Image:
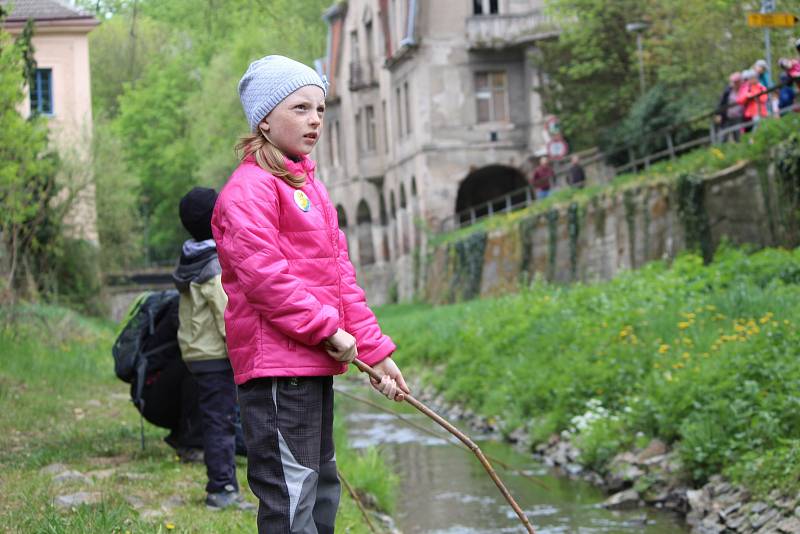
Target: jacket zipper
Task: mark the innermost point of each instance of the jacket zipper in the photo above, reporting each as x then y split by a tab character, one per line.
335	245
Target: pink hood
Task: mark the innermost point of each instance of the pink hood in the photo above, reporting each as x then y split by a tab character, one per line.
288	277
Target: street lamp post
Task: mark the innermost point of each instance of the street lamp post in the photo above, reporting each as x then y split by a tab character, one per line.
638	28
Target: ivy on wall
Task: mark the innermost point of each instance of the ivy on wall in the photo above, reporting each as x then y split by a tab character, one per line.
693	215
527	232
467	258
788	173
599	216
762	168
573	229
646	225
630	218
552	243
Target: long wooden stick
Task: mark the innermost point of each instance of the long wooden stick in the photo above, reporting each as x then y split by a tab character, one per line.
364	368
430	432
356	498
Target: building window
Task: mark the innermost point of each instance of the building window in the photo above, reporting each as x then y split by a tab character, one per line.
337	149
370	64
369	119
485	7
330	146
42	92
385	118
399	114
355	53
359	132
491	94
408	108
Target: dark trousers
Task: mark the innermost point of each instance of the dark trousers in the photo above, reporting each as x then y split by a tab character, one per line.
216	396
291	468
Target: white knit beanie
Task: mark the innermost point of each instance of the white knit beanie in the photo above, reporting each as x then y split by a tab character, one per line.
271	79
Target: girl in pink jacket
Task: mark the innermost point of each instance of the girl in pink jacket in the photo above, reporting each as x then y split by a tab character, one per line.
295	314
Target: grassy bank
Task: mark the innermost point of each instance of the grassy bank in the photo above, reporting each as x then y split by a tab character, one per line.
706	358
62	404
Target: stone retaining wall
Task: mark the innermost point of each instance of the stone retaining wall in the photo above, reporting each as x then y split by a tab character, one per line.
613	232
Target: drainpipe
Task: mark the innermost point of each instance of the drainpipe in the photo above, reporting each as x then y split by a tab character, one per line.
409	40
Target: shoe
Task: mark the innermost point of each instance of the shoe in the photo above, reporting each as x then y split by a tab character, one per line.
190	455
228	498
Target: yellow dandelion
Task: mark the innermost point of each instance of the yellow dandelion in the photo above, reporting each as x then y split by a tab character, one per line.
686	355
683	325
170	526
717	153
739	328
663	348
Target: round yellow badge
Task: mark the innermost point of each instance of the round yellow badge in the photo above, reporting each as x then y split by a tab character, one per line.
302	200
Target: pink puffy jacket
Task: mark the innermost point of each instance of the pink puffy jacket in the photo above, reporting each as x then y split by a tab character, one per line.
288	277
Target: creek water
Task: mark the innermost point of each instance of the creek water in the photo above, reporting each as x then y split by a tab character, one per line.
446	491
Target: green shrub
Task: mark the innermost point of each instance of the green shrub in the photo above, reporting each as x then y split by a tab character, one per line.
78	282
762	471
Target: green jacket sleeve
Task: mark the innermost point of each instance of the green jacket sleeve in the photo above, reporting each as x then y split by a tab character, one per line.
217	300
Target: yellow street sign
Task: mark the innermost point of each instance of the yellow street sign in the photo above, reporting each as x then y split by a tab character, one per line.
771	20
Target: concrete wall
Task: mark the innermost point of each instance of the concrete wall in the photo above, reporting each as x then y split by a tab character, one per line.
614	233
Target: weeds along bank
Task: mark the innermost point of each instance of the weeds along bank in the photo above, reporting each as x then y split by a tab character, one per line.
744	192
706	358
67	429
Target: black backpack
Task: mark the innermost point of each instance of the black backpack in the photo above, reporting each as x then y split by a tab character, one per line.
148	338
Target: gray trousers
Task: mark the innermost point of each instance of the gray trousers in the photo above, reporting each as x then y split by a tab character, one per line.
291	465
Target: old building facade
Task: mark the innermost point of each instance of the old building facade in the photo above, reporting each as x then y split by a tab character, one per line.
432	108
61	93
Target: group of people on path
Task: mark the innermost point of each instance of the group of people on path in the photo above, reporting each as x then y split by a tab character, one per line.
270	310
746	100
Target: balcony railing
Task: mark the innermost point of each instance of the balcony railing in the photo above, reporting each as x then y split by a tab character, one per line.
504	31
362	74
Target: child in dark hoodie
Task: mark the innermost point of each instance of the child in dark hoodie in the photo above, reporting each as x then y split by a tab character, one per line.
201	336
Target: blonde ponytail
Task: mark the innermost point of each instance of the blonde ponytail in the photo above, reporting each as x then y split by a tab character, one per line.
268	156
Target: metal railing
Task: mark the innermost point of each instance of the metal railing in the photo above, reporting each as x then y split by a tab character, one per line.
523	197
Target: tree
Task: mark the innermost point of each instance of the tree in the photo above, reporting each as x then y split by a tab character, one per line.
121	48
591	67
27	171
153	126
690	48
174	108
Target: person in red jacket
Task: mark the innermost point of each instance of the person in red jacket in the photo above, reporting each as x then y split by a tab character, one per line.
753	98
295	315
542	178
